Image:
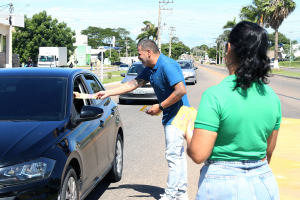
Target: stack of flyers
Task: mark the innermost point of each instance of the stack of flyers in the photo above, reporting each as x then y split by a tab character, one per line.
86	96
184	115
146	108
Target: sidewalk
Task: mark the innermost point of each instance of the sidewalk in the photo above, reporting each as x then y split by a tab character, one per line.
285	162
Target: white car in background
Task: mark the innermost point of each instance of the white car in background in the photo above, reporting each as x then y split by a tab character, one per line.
123	67
213	62
189	71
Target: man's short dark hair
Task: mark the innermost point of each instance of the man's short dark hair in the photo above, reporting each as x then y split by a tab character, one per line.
148	44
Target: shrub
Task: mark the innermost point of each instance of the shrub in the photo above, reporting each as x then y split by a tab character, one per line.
109	75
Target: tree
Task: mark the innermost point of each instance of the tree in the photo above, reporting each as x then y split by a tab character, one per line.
211	53
149	31
278	11
230	24
114	55
269	12
41	31
177	48
281	39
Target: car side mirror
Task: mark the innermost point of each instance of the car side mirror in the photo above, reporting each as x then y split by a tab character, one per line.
196	67
122	74
89	113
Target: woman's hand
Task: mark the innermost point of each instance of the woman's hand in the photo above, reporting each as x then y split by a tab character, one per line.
189	130
76	94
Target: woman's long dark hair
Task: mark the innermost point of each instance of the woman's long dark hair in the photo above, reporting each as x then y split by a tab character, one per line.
250	45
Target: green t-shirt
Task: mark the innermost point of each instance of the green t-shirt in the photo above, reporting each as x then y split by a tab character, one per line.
243	119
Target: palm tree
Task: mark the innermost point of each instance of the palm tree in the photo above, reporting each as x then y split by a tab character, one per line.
230	24
256	12
278	11
149	31
269	13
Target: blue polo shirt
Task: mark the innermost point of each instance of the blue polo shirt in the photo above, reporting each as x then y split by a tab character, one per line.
162	77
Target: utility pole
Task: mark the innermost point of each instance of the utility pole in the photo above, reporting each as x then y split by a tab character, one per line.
170	42
110	50
290	47
159	21
126	49
9	57
217	50
220	40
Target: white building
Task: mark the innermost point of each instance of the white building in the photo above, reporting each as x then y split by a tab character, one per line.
296	49
6	37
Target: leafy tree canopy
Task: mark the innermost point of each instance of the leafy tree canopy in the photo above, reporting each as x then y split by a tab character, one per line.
114	55
177	48
281	39
41	31
148	31
211	53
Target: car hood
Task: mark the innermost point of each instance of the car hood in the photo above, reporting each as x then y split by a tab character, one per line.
128	78
186	71
23	141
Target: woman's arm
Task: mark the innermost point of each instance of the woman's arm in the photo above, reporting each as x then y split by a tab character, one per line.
272	139
200	143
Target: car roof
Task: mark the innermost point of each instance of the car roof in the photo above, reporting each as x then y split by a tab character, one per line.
40	72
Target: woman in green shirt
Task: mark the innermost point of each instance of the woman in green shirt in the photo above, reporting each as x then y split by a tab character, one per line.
237	124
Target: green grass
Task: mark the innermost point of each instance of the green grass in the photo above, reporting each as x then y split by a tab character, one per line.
116	72
295	64
286	73
113	79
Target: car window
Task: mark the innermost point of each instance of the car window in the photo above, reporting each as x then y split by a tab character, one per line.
94	85
122	65
184	65
81	88
135	69
36	99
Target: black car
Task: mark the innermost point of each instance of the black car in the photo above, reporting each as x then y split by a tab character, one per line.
52	145
117	63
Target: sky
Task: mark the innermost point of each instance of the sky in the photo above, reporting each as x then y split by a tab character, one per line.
196	22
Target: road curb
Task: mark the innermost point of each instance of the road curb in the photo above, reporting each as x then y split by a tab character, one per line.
286	76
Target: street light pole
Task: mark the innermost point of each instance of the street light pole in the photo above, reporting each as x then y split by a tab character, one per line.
290	47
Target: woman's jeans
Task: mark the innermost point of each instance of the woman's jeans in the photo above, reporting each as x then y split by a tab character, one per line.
177	178
237	180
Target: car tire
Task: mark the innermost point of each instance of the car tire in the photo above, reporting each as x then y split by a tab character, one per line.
70	188
122	101
115	174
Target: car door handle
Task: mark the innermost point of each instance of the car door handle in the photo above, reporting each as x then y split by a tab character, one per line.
113	111
101	123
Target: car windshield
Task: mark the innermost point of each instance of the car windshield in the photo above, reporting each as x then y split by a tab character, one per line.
184	65
122	65
46	58
32	99
135	69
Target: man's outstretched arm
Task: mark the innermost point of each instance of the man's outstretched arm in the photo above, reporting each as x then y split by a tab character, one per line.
122	89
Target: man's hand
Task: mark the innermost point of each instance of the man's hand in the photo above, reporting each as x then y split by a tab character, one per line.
101	95
154	110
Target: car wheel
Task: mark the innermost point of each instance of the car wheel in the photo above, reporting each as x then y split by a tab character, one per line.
115	173
70	189
122	101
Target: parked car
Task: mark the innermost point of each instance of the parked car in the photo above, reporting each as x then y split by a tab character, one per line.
52	145
189	71
117	63
145	92
123	67
213	62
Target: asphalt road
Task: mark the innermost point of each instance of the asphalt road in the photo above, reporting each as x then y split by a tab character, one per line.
145	168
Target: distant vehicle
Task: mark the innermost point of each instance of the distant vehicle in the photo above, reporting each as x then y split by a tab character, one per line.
188	70
52	57
145	92
213	62
55	146
123	67
117	63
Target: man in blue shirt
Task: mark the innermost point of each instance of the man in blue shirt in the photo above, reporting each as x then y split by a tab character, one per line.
166	78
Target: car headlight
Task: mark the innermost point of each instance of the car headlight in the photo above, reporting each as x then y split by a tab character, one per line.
28	171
